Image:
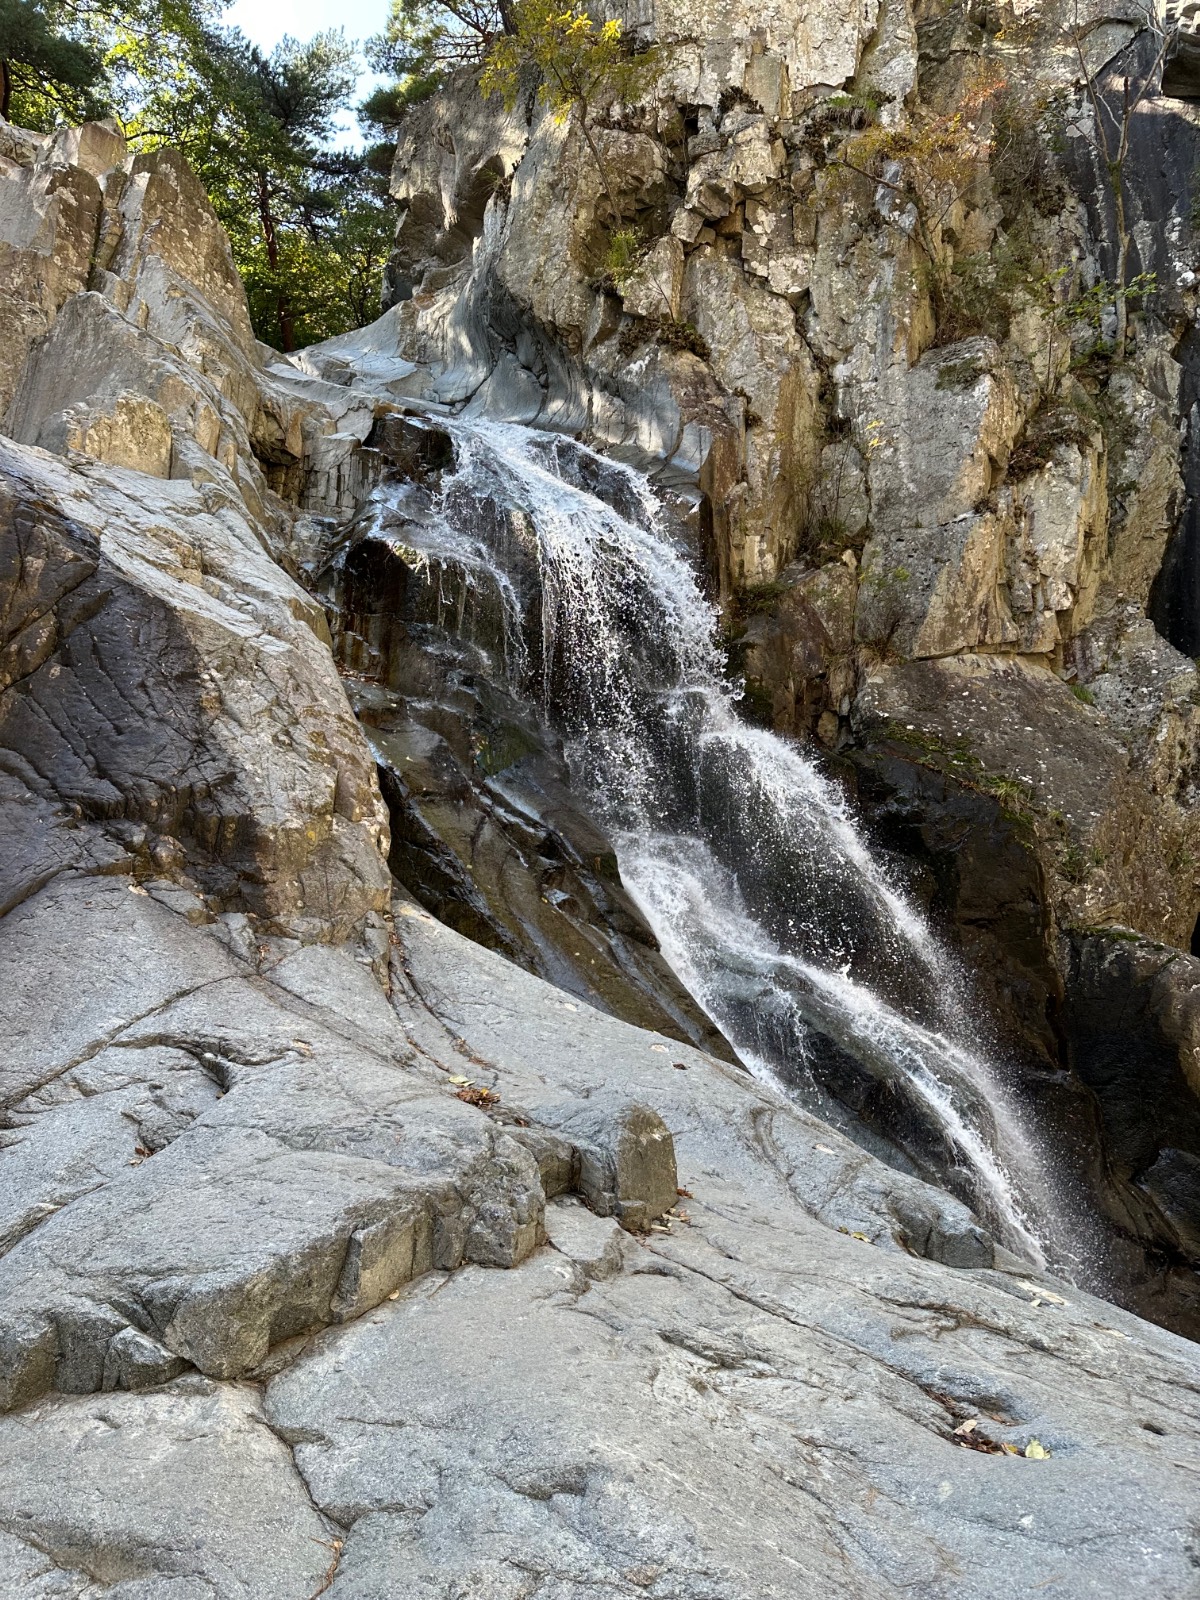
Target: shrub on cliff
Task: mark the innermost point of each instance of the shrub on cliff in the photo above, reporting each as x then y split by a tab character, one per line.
576	63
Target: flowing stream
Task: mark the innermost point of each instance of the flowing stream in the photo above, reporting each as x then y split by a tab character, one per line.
743	856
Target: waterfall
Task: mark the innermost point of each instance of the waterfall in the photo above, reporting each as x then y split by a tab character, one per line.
744	857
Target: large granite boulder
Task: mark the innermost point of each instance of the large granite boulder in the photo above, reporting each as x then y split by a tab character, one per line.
150	644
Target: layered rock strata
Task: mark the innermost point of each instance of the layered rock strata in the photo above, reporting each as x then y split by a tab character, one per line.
954	539
340	1255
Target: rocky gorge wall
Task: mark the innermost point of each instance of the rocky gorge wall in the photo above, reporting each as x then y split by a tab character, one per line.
942	534
337	1253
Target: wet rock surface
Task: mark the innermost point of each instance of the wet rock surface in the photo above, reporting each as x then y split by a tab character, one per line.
486	829
341	1253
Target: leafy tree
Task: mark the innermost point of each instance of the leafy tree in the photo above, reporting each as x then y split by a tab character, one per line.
309	225
255	128
44	72
66	60
577	65
1107	132
425	38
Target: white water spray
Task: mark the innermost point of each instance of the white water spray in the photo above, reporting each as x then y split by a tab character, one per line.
744	858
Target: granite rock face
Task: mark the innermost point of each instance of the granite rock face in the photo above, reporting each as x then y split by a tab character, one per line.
954	541
150	644
339	1254
761	1391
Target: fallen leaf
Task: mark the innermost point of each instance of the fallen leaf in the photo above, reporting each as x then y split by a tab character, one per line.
458	1078
968	1426
825	1149
861	1236
1035	1450
473	1095
685	1194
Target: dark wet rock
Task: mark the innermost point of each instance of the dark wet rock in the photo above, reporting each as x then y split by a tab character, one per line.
1132	1024
1024	851
485	827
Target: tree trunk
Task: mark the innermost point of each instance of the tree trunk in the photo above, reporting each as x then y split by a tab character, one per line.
508	20
5	88
591	144
287	323
1122	284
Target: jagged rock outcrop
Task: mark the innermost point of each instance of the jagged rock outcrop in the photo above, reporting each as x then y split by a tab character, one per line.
146	633
338	1253
941	542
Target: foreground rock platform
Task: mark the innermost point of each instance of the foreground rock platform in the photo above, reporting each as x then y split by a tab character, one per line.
758	1396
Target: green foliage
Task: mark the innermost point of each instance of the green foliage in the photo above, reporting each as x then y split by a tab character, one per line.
308	225
625	250
960	762
45	74
1075	863
1083	693
758	597
674	333
575	62
63	61
423	39
843	107
825	536
1092	305
325	284
382	112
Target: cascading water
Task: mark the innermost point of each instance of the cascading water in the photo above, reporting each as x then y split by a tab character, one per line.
741	854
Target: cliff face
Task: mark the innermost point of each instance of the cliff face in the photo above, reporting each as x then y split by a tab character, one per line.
952	548
270	1129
